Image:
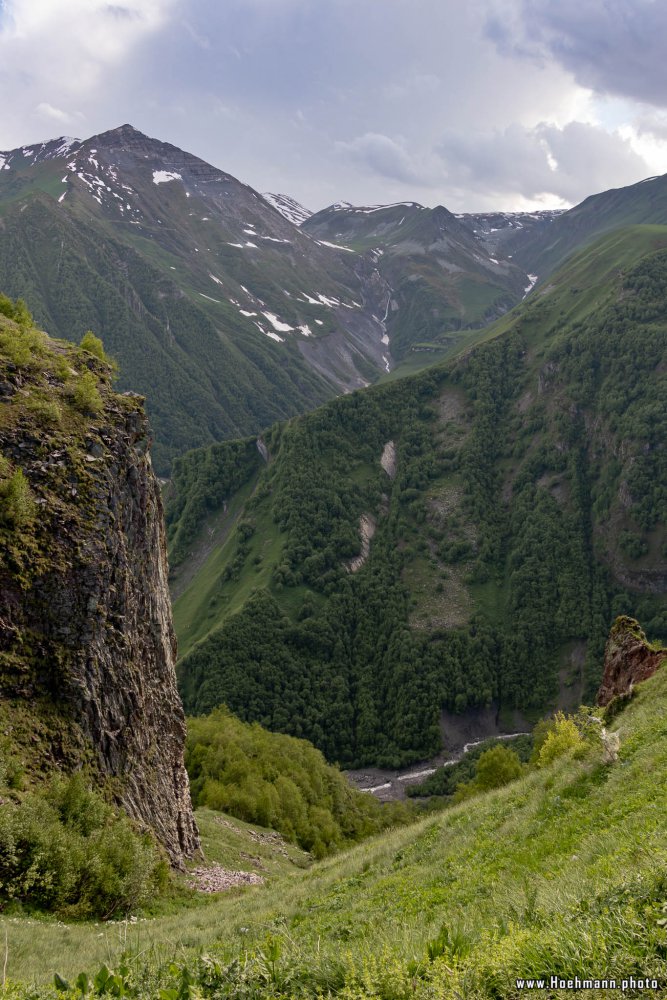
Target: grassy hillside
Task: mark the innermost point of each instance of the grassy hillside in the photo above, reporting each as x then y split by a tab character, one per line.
561	873
543	250
520	507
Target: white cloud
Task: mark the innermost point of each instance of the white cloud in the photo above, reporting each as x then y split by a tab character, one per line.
46	110
379	100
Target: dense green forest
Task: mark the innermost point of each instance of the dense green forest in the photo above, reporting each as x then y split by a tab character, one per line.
201	483
526	510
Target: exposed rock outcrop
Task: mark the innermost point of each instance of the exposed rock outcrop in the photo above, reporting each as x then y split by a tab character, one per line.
628	659
85	616
388	459
367	528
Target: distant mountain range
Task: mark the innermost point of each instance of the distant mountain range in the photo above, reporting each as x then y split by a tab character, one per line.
444	272
230	309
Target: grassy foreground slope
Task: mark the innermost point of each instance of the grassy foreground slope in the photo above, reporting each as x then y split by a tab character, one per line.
563	872
457	539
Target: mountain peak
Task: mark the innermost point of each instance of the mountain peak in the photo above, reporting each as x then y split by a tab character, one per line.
123	135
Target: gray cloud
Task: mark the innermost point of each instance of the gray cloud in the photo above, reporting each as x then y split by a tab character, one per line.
116	10
383	155
568	163
611	46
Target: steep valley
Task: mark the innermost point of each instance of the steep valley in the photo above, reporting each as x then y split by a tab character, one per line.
414	577
559	873
525	509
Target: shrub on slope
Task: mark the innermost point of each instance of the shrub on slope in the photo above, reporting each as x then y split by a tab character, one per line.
280	782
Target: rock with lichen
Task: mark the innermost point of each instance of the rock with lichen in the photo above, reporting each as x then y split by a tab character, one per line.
87	647
628	659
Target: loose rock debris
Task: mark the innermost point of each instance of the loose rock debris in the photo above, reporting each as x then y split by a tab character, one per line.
218	879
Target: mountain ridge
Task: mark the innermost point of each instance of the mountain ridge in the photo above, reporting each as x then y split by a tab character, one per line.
143	243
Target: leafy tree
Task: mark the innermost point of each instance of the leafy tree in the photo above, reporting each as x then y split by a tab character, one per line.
89	342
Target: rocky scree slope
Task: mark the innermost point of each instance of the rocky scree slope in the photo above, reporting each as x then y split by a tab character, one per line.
87	646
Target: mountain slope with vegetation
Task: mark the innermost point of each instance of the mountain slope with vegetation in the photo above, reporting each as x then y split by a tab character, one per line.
282	783
543	249
220	310
441	278
457	539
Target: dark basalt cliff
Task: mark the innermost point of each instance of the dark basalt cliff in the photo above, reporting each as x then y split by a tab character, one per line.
86	633
628	659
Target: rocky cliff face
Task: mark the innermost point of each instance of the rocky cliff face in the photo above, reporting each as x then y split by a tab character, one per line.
85	617
628	659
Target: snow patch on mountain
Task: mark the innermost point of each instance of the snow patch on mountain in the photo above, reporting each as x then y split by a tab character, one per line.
164	176
288	207
532	278
369	209
335	246
277	324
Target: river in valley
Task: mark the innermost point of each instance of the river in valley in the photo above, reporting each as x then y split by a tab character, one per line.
390	785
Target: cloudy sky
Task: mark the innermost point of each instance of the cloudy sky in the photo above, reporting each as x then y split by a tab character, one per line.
473	104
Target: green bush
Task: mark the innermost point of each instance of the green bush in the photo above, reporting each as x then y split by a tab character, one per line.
89	342
563	737
17	507
86	395
16	311
46	412
496	767
64	849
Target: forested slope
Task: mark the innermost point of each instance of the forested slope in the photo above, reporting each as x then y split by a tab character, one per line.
519	506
